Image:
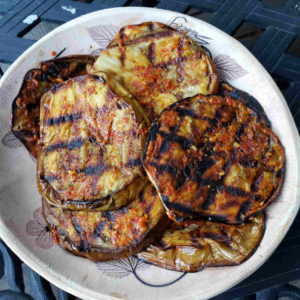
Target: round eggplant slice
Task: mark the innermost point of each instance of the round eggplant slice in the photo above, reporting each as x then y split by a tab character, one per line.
158	65
193	245
215	157
92	137
110	234
25	119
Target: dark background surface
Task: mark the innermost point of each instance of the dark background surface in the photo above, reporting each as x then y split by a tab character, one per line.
270	29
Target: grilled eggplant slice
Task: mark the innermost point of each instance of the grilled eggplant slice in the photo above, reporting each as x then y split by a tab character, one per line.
91	144
158	65
193	245
25	118
215	157
110	234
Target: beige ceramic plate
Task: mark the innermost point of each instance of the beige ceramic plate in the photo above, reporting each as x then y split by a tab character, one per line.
21	223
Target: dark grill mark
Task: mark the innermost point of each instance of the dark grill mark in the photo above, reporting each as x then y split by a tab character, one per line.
53	71
256	182
240	132
109	215
93	170
133	162
63	119
26	133
212	122
182	141
75	144
177	206
123	55
182	112
201	167
153	132
32	106
234	191
163	168
153	191
151	52
148	209
214	189
99	228
79	68
77	226
179	66
164	147
151	26
248	162
49	178
243	210
56	146
175	61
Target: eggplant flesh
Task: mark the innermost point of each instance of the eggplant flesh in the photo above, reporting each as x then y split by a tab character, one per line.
215	157
193	245
110	234
26	106
91	143
158	65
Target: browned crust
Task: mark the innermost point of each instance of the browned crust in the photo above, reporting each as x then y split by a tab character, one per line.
151	81
159	222
30	136
253	103
225	90
116	199
104	255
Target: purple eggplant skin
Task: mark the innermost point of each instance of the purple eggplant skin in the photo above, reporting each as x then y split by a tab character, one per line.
25	115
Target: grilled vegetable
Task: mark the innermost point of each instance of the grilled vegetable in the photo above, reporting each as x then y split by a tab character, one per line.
92	137
193	245
110	234
158	65
216	157
26	106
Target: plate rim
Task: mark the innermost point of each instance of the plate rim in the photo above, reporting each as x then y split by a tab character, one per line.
80	290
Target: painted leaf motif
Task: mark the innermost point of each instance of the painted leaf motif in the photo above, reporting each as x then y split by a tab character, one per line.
121	268
38	228
228	68
103	34
9	140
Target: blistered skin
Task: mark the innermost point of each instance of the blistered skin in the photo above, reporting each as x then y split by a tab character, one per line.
91	144
193	245
110	234
158	65
25	121
215	157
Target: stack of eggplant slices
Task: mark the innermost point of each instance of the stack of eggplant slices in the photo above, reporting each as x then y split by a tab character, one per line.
142	151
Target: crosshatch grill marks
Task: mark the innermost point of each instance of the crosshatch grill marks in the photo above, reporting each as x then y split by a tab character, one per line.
106	235
213	174
161	65
91	143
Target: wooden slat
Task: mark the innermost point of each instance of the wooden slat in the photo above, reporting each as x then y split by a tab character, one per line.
66	10
12	47
282	18
270	46
6	5
232	13
288	67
